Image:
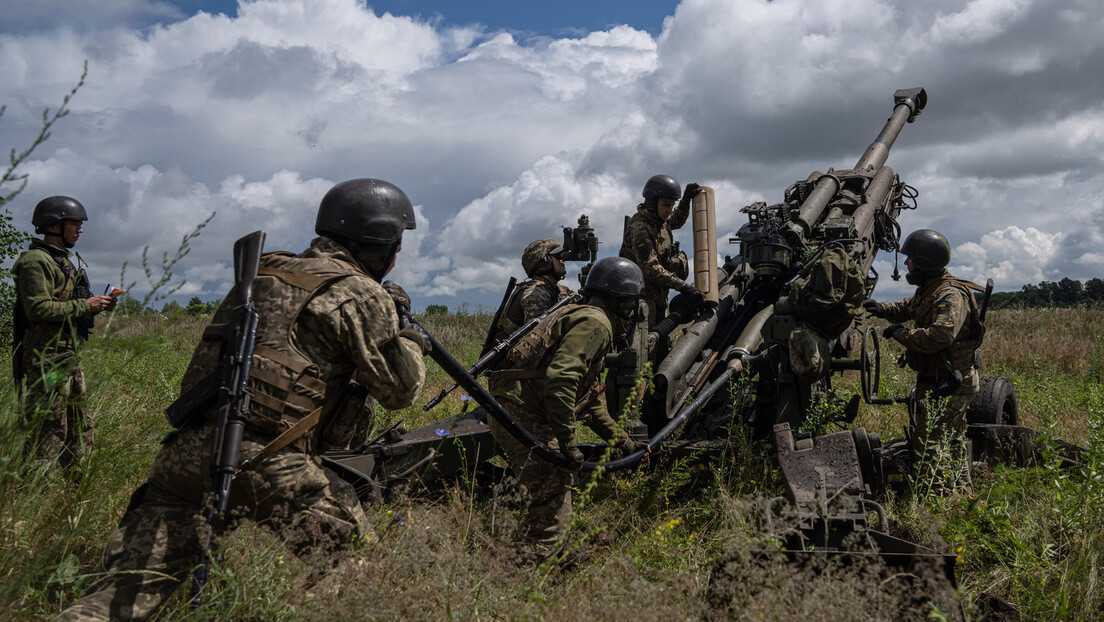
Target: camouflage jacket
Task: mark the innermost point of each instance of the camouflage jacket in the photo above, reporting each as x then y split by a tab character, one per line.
947	328
323	324
45	294
529	300
571	350
647	242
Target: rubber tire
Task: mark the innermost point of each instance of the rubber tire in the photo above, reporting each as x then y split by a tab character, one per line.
995	402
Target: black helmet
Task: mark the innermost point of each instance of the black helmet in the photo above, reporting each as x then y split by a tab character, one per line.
661	187
53	210
615	277
365	210
929	251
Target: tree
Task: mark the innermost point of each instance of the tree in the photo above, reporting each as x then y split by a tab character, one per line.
195	306
12	238
172	308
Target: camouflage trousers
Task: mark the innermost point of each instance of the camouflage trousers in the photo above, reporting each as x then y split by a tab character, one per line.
545	488
155	547
937	435
54	407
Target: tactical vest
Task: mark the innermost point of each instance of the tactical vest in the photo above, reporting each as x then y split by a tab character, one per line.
960	354
285	386
530	357
513	316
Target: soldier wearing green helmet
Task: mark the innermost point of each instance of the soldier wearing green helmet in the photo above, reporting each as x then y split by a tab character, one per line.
942	349
545	268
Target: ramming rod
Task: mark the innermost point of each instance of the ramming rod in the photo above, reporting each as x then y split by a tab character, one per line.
492	356
453	368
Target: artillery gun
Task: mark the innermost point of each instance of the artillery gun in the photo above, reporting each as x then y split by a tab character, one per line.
786	316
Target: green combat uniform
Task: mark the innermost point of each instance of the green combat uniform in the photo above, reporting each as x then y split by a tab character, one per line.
648	243
546	381
51	300
947	332
323	324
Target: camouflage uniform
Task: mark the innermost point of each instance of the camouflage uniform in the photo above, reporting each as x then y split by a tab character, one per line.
648	243
544	397
46	282
529	300
326	322
947	332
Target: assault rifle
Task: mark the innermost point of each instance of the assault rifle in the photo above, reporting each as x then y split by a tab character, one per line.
239	335
492	356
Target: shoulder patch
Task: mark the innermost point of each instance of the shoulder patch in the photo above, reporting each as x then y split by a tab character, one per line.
943	304
593	345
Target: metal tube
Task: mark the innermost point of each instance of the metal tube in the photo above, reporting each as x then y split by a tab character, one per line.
705	244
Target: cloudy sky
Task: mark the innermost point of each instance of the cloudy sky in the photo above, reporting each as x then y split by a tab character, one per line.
504	121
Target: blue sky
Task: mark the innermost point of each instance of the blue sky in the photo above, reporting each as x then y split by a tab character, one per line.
504	121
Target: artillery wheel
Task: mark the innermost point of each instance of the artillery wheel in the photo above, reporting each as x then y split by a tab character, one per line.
995	402
870	365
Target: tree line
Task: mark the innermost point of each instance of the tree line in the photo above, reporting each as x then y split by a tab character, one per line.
1051	294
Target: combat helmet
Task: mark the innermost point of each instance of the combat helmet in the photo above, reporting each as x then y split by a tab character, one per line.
367	211
535	258
660	187
53	210
928	249
615	277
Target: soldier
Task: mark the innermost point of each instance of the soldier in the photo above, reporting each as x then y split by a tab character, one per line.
546	381
545	268
53	313
940	348
328	338
648	243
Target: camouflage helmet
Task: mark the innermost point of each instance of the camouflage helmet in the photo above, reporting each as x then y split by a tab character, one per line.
615	277
929	250
534	259
365	210
661	187
53	210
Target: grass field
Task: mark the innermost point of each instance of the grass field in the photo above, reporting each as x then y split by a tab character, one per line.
1033	537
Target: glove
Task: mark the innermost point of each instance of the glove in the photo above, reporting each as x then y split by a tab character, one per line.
873	307
628	446
692	190
399	295
573	457
694	294
890	330
418	335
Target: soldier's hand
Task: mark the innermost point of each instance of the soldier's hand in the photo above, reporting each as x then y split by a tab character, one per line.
873	307
573	458
693	293
891	330
399	295
692	190
101	303
627	447
417	334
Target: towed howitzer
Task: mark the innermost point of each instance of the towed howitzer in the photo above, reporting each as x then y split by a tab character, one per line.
491	357
238	336
848	215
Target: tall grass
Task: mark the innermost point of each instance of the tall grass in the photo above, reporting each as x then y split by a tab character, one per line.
655	537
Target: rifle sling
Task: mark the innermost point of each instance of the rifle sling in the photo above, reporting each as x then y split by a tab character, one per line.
300	429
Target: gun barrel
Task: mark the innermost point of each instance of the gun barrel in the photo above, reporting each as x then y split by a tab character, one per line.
907	104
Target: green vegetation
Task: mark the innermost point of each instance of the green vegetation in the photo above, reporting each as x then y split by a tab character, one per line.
1048	294
1032	536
